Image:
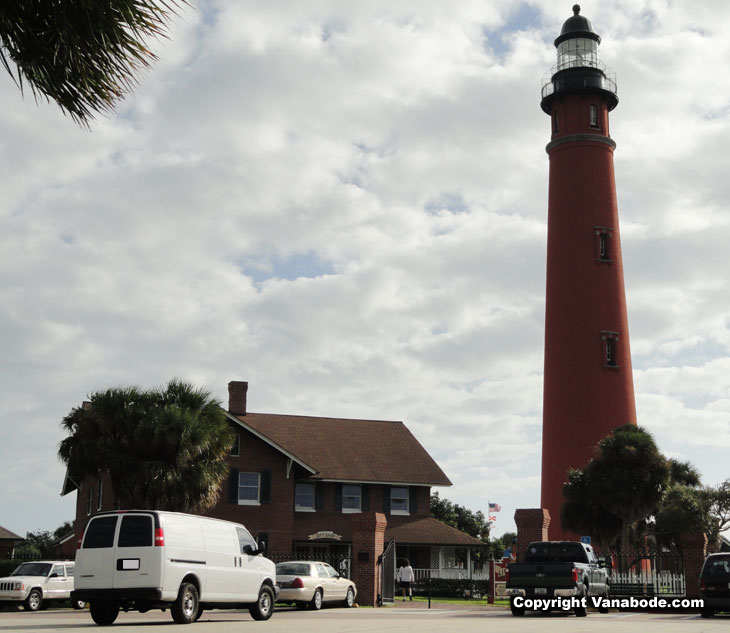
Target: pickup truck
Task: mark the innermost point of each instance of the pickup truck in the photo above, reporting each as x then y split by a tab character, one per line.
557	575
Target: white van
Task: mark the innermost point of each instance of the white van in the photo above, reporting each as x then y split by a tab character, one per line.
145	559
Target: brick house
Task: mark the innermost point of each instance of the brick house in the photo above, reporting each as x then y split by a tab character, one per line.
303	486
8	542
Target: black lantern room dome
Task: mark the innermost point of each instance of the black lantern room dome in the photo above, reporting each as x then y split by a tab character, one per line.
577	26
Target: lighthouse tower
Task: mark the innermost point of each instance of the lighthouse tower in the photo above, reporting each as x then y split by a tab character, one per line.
588	384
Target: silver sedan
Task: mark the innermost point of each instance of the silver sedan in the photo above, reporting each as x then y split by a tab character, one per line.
312	583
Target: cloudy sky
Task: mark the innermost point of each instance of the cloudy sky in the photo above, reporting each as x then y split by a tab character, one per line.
345	204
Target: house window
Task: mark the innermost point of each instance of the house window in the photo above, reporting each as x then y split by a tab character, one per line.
351	498
610	349
248	488
304	497
593	116
603	244
100	496
399	500
236	448
89	500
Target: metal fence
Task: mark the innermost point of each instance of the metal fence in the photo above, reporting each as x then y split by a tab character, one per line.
647	573
340	562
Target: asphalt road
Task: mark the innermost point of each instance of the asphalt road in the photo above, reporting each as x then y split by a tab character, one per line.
395	619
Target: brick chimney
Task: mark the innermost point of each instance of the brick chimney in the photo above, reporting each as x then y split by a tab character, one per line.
237	391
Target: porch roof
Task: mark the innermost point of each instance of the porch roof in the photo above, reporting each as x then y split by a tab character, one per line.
430	531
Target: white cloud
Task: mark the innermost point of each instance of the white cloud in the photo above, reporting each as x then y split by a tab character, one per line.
345	204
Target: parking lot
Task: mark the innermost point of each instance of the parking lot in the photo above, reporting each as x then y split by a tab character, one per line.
396	619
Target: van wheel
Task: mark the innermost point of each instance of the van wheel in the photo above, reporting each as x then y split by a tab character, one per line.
264	606
34	601
316	602
199	613
516	611
707	612
185	608
78	604
104	613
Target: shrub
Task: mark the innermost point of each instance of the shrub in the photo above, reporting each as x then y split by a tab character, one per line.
451	588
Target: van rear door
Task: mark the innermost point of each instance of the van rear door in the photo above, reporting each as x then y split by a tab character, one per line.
95	559
137	556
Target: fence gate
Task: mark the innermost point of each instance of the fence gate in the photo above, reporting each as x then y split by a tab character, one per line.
387	575
646	573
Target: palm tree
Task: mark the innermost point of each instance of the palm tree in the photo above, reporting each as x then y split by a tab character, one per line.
163	448
631	475
622	485
85	56
583	510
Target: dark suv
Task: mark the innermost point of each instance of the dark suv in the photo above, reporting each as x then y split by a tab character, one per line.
715	584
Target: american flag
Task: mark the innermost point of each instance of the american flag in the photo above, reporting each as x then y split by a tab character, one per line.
494	507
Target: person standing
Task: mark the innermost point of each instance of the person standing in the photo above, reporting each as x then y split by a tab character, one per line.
406	578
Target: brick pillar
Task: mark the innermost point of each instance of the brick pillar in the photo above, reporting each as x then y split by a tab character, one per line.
368	543
532	525
694	551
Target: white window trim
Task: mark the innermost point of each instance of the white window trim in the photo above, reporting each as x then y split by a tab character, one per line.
406	512
359	505
312	508
250	502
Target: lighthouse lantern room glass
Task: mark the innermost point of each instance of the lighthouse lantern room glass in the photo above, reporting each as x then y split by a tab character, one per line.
578	51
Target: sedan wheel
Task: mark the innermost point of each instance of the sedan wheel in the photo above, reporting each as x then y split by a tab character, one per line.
350	598
316	602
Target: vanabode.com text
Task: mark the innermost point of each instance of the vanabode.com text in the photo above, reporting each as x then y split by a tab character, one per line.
566	604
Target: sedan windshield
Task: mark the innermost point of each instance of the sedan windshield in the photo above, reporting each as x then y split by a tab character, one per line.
32	569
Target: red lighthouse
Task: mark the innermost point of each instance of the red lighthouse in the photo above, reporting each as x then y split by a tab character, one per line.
588	384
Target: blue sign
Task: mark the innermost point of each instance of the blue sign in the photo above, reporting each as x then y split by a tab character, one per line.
586	540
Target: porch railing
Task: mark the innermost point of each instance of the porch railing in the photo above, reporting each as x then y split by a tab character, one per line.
455	573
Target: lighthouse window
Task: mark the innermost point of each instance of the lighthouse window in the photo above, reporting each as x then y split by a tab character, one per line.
603	246
556	122
593	116
610	356
603	236
610	348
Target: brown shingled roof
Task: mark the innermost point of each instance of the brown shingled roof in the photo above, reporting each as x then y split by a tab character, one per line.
350	450
8	535
429	531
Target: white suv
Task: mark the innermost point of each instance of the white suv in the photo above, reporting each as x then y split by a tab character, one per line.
37	583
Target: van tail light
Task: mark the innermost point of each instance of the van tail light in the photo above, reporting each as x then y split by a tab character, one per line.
159	537
506	575
297	583
81	538
703	584
575	574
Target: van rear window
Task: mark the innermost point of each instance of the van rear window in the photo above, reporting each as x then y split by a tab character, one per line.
100	532
136	531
